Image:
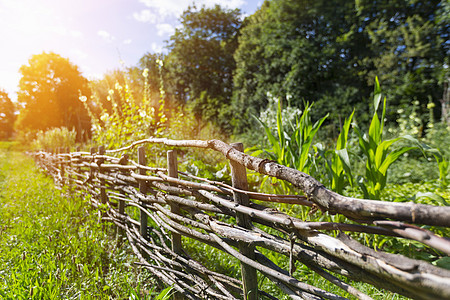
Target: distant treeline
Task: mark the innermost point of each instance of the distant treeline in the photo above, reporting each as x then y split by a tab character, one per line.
321	51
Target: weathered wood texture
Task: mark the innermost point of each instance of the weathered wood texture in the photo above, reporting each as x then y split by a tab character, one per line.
239	181
181	204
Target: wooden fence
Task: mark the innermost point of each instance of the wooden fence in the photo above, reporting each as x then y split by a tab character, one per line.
174	204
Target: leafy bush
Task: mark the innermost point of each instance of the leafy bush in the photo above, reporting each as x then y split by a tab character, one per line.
55	138
435	144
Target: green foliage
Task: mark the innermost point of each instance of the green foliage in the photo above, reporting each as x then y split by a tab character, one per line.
407	49
165	294
52	246
338	166
376	150
442	164
438	137
48	95
292	150
55	138
126	121
153	83
7	116
199	66
434	145
301	48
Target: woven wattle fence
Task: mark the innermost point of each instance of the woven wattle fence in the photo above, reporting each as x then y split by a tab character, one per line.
173	204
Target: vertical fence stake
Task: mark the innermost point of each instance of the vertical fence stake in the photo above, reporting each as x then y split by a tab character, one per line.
77	169
143	189
68	162
239	180
103	197
121	232
172	169
61	165
124	162
91	171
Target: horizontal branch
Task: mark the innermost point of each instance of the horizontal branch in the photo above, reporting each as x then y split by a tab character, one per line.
357	209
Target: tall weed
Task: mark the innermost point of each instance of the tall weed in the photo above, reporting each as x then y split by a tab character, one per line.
54	138
127	121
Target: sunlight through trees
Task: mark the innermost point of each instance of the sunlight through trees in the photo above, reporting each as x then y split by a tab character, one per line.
49	90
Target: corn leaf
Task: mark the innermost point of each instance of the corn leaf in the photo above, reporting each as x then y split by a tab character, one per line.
393	156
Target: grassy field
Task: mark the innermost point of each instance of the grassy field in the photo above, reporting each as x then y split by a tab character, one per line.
52	246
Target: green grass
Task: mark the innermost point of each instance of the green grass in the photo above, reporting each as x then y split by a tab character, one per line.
51	245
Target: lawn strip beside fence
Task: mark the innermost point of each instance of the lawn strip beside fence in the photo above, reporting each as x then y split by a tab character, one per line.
179	204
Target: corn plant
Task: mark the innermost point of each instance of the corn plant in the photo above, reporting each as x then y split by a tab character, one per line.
440	159
292	150
376	150
338	165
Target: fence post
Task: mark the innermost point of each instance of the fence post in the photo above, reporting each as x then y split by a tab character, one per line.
124	162
239	180
143	189
103	197
121	208
68	163
172	168
77	169
61	164
93	150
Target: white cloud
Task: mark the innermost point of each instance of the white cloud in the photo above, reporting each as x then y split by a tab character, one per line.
146	16
105	35
175	8
166	7
165	29
127	41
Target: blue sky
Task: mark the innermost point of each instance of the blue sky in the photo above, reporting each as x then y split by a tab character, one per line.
96	35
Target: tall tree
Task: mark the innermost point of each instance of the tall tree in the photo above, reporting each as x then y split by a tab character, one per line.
409	48
300	51
7	116
330	51
49	95
200	63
